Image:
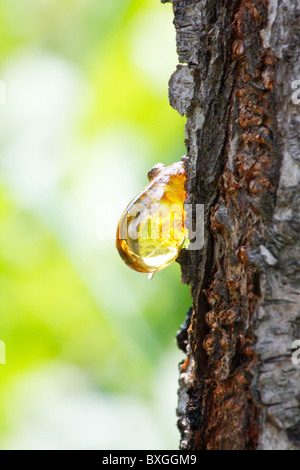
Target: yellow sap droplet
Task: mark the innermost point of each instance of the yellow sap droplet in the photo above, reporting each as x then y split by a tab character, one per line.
151	231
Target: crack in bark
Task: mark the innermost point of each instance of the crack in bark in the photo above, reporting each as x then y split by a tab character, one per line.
235	71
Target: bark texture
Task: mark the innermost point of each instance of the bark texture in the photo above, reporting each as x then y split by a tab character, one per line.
238	386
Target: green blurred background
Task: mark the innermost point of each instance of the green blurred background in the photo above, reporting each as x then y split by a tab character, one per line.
91	357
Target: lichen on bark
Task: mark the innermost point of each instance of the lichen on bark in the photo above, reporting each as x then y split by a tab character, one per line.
238	387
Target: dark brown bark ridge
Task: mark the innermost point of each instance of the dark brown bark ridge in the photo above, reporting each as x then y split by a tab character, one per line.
238	386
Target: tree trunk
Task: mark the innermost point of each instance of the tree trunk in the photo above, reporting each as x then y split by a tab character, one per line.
239	388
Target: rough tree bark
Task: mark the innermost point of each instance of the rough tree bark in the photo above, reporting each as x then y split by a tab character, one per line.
239	388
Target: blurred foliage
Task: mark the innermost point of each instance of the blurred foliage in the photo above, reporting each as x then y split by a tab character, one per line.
87	115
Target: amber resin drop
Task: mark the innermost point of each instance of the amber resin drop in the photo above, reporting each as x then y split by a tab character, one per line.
151	231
